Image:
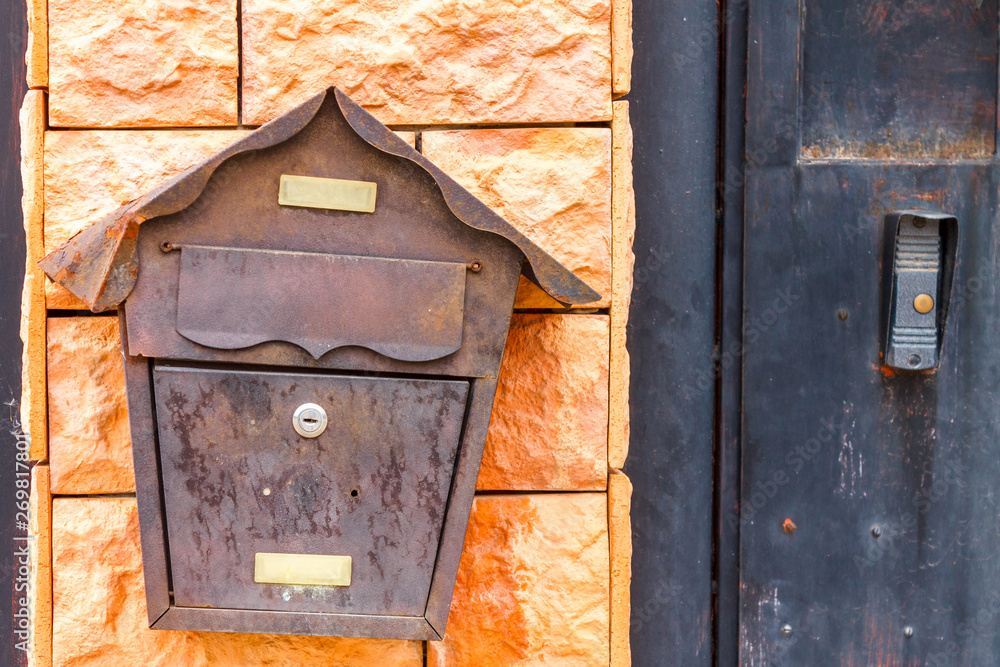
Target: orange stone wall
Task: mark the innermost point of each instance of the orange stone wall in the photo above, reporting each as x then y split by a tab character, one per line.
518	102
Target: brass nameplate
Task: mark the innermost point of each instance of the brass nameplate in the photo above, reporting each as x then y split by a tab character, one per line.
330	193
302	569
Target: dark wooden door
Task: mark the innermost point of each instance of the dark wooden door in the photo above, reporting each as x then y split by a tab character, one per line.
12	530
870	498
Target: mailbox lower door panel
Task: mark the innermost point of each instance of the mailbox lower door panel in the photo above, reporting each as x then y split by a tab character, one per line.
238	481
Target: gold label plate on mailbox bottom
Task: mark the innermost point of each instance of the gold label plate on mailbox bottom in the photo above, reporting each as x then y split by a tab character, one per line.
302	569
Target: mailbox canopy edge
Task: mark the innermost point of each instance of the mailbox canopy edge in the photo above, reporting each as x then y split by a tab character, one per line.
100	264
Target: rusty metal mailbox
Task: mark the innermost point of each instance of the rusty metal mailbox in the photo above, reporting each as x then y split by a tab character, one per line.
312	322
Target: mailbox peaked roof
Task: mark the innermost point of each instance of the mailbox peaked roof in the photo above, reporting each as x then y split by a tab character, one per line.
100	264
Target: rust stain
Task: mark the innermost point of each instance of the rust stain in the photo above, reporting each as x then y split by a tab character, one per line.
890	372
874	19
789	526
934	196
978	142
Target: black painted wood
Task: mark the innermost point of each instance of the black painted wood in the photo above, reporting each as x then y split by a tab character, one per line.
888	477
672	330
913	79
731	345
12	88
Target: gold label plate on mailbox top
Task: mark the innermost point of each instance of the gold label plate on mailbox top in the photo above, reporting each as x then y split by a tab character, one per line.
302	569
329	193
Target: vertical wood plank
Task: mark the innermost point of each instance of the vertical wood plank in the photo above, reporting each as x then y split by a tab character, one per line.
12	255
673	105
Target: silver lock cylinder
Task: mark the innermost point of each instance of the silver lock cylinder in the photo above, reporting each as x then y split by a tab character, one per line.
309	420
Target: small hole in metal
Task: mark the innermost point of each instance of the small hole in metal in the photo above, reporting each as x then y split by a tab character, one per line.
475	266
354	493
166	246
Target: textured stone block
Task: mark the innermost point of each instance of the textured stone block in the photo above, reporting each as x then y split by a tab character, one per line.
418	62
36	56
549	429
408	137
142	63
90	174
620	532
89	446
99	608
621	46
623	262
533	584
39	591
553	184
33	398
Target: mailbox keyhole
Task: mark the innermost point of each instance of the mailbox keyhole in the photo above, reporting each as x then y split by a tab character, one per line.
309	420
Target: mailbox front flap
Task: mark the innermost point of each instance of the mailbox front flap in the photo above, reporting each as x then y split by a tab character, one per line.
366	496
233	298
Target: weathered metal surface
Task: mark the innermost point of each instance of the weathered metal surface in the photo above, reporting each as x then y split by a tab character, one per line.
234	269
412	221
296	623
334	194
463	491
888	477
163	615
238	480
145	462
918	268
899	79
404	309
100	264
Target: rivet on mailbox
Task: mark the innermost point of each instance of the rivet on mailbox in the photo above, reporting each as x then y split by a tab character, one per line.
312	322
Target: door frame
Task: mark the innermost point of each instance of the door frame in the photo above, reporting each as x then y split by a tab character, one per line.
685	329
13	24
